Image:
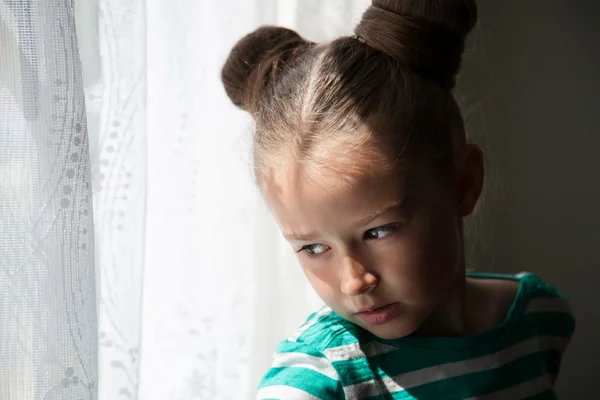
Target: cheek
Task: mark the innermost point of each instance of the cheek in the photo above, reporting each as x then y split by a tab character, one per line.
442	252
324	281
426	260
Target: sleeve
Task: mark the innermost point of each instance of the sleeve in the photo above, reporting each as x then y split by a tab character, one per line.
554	321
300	372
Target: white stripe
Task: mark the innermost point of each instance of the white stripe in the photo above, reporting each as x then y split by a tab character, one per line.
547	304
520	391
356	350
284	392
302	360
522	274
454	369
324	311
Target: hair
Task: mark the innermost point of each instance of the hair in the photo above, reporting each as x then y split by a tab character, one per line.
326	105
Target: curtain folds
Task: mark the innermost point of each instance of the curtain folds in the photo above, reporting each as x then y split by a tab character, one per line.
137	258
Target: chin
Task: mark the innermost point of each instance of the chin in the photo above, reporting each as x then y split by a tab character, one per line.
390	330
390	333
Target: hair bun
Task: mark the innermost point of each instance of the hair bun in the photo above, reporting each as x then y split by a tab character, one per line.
427	36
256	60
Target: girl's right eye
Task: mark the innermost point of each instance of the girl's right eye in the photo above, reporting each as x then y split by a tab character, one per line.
313	250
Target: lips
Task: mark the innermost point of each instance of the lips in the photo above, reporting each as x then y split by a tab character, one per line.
375	315
372	308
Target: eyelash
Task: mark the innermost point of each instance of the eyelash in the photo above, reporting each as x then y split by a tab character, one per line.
389	229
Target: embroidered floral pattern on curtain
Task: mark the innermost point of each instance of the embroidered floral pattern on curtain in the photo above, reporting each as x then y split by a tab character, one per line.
194	283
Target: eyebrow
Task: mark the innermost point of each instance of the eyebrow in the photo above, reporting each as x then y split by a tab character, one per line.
361	222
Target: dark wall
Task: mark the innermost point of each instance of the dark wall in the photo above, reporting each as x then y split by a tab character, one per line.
530	89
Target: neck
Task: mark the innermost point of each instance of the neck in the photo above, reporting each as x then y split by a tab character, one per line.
450	317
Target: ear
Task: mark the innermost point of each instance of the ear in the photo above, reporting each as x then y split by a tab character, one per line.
469	183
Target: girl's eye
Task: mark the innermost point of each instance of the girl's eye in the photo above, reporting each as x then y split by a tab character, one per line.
310	249
379	233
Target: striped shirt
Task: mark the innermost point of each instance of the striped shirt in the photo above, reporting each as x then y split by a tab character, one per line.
331	358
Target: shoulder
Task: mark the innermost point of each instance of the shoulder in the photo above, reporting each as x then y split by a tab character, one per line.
547	305
547	313
524	296
491	297
323	330
301	368
536	287
300	371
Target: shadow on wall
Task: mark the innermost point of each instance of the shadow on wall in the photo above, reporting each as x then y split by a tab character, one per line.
530	90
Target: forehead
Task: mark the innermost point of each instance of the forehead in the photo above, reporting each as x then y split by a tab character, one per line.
302	199
334	168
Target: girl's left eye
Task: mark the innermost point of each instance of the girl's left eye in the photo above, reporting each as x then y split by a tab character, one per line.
381	232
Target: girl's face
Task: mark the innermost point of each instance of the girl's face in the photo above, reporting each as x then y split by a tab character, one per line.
374	240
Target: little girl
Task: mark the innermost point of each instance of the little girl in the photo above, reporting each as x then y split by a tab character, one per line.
361	155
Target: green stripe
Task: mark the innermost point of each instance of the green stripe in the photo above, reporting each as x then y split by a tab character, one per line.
292	347
491	275
547	395
355	371
550	324
538	288
330	331
552	360
417	358
306	379
480	383
535	324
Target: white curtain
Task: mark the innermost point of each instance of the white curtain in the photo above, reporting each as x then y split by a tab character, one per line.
182	285
48	346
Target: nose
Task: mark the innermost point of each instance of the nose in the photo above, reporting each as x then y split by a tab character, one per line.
356	279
